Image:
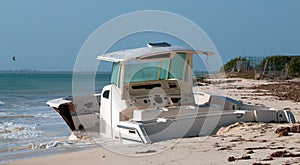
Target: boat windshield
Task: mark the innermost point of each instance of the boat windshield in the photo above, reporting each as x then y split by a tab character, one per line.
155	69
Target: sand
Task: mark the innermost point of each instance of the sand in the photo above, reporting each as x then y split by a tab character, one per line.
239	143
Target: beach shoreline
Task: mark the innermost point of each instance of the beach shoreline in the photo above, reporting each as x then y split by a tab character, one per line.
239	143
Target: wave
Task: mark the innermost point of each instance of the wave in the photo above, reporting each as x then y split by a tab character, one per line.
34	146
27	115
9	130
14	117
49	145
2	103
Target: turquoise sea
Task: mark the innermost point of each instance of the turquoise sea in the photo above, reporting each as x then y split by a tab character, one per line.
27	125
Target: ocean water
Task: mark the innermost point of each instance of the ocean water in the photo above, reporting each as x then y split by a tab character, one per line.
27	125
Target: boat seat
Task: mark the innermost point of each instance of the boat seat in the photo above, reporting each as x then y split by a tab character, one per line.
170	112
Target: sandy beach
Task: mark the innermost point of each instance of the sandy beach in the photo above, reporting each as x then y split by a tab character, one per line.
239	143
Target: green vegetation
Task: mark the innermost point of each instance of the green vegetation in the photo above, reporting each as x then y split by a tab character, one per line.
294	67
275	64
280	63
230	65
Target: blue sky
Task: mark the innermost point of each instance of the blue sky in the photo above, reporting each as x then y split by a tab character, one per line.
47	35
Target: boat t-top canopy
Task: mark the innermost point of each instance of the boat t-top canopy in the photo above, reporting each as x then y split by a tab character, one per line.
147	53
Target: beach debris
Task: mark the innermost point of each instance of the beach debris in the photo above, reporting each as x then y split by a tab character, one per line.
244	97
225	148
279	153
284	131
262	141
256	148
146	152
262	148
229	147
232	158
261	164
239	139
295	129
250	152
276	148
267	159
284	154
283	90
244	158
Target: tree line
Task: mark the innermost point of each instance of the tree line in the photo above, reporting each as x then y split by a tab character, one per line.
273	63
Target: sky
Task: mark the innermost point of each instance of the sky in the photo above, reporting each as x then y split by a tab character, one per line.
47	35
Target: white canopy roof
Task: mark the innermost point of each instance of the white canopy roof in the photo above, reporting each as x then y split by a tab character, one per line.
130	54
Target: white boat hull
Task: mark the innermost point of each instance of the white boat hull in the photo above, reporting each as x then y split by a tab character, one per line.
197	124
152	125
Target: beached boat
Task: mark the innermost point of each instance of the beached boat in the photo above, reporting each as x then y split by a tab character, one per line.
150	98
